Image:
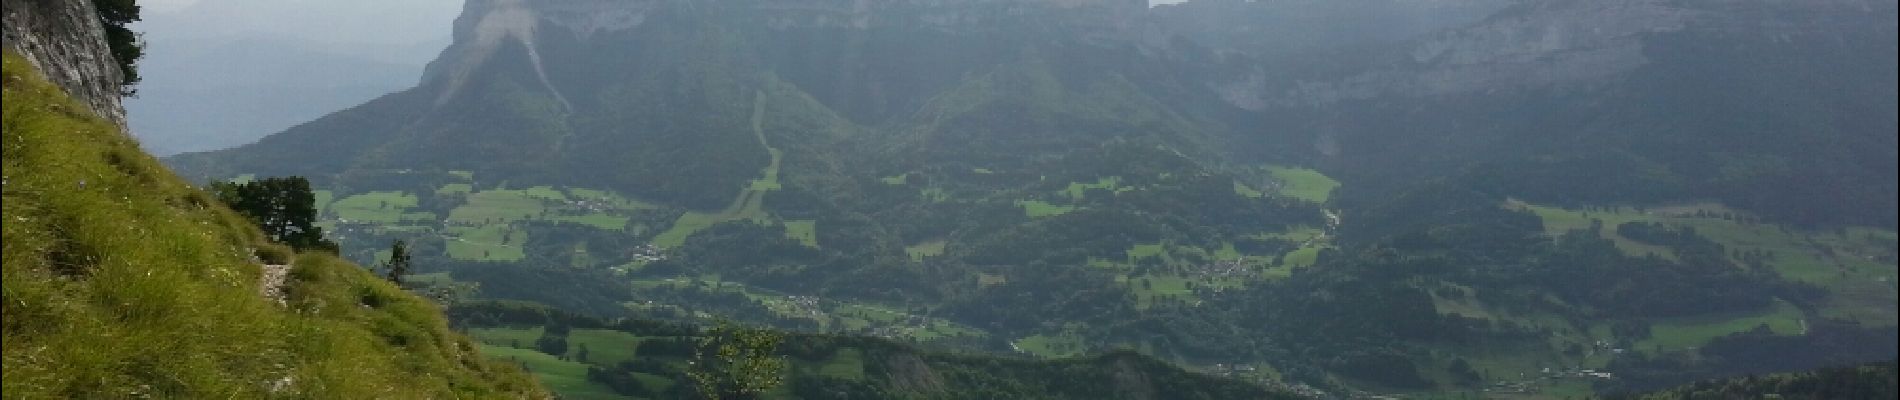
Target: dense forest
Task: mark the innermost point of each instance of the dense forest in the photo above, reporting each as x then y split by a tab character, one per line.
1872	381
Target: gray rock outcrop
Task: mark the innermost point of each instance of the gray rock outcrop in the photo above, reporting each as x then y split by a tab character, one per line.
66	41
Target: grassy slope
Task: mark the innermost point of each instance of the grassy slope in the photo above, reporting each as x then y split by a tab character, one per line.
122	281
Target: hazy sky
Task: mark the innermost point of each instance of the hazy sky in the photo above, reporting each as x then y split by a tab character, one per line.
168	5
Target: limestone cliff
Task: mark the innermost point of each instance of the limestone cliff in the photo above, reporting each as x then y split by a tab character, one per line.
1548	44
65	40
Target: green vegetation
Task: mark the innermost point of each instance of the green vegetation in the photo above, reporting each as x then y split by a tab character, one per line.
323	199
1683	333
569	378
123	281
899	179
1144	227
749	204
1079	190
657	355
116	16
454	189
502	206
931	248
1244	190
486	243
1847	261
1062	345
804	231
389	208
1872	381
1304	184
737	363
284	208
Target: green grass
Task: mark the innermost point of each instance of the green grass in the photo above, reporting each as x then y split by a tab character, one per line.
486	243
1302	257
748	205
386	208
1557	221
1248	191
1227	252
1150	288
568	378
507	336
896	180
324	197
123	281
991	279
848	363
545	193
1840	262
1299	234
463	175
1142	251
919	252
935	195
1682	333
597	220
804	231
687	224
1079	190
499	206
610	198
1039	208
455	188
1063	345
770	181
604	347
1304	184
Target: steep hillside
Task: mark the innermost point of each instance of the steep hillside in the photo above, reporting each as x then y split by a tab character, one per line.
123	281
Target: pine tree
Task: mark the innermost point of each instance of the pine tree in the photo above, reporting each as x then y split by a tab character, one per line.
398	263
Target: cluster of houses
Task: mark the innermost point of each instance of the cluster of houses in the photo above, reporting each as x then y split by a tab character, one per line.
804	306
1244	371
1221	269
647	253
1530	384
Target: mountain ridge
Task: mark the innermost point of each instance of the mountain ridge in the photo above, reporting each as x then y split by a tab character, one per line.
1054	180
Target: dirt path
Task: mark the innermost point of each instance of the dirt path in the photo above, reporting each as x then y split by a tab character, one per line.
271	283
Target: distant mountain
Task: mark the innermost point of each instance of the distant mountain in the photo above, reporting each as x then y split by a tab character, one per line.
204	96
223	73
1433	196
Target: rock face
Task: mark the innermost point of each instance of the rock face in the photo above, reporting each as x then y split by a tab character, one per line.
66	41
1536	45
488	25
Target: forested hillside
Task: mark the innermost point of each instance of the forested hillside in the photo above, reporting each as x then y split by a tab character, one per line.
1873	381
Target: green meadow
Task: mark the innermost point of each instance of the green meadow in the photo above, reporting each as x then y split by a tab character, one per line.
1039	208
1844	262
1304	184
919	252
388	208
